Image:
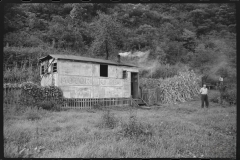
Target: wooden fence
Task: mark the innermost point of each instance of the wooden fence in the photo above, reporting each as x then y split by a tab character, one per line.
86	103
150	96
12	96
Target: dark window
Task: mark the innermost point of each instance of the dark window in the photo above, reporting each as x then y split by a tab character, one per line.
42	69
124	74
103	70
54	67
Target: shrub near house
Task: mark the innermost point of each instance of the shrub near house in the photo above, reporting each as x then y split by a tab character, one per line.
45	97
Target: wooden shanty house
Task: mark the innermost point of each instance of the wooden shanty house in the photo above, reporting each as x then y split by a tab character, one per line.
91	80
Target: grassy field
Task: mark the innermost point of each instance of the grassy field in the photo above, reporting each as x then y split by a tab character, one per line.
181	130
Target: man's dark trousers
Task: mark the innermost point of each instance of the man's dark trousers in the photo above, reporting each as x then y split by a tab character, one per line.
204	98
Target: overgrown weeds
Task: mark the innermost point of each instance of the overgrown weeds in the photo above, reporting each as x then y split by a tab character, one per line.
99	106
16	139
160	133
132	128
135	128
48	105
13	109
32	114
108	120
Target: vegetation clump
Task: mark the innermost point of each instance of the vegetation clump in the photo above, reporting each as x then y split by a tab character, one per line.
134	128
179	88
32	114
48	105
230	96
108	120
43	97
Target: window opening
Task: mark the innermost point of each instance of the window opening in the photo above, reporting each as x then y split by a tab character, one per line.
124	74
103	70
54	67
42	69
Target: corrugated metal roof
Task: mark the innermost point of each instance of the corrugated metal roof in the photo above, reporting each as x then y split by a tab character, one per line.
86	59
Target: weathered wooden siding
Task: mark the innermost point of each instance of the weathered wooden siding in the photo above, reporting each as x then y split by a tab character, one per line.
82	80
46	80
49	79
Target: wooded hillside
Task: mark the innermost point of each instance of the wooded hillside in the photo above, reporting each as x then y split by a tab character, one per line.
200	36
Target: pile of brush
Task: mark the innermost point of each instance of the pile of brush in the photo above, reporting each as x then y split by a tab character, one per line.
180	88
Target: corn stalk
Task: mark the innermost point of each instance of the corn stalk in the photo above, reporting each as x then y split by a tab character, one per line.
180	88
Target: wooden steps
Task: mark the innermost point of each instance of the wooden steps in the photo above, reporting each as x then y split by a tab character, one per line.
140	103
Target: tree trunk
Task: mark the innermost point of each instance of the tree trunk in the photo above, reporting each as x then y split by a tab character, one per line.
53	43
106	45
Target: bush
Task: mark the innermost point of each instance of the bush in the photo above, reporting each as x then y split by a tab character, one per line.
32	114
135	129
215	99
230	95
21	74
22	38
98	106
214	96
108	120
48	105
35	94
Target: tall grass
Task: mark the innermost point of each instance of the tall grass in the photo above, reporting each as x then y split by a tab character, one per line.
179	131
18	138
108	120
21	74
135	128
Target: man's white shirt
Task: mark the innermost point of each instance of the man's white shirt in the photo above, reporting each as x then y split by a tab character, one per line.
203	90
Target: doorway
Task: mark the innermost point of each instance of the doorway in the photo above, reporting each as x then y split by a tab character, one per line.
134	85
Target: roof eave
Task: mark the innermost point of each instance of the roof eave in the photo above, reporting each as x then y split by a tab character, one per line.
98	62
43	58
55	57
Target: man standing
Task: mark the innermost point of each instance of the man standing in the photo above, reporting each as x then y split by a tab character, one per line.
220	80
204	96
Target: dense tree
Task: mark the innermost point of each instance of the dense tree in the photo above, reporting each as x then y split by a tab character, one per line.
108	36
14	17
200	35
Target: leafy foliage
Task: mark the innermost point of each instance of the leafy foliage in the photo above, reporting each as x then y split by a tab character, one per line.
134	128
202	36
32	115
108	35
33	94
48	105
108	120
23	74
230	95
